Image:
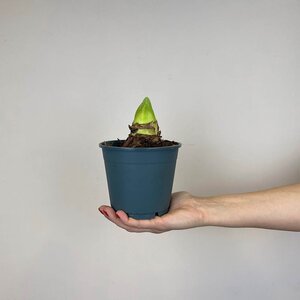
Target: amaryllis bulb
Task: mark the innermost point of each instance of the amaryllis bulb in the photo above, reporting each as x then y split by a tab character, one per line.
144	120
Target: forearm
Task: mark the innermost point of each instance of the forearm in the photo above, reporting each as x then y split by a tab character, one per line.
277	208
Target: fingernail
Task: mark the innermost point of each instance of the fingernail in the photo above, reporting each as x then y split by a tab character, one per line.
105	213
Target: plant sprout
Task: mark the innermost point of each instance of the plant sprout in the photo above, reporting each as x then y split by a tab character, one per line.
144	131
144	122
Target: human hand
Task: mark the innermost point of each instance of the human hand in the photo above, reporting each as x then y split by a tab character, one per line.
276	208
186	211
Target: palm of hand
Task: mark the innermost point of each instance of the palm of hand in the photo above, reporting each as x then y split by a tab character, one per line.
183	214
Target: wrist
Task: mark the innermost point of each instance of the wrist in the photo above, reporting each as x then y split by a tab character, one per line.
207	210
218	210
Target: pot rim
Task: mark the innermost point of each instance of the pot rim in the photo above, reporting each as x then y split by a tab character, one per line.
104	145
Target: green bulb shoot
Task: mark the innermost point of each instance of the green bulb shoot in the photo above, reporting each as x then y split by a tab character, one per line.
145	122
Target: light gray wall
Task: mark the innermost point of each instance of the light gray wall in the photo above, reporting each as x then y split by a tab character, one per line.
223	77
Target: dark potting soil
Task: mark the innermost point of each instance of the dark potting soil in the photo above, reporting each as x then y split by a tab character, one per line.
144	141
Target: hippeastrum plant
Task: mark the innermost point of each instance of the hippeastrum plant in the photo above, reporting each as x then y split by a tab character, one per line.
145	122
144	131
142	168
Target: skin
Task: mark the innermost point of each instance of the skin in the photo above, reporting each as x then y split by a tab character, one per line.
277	208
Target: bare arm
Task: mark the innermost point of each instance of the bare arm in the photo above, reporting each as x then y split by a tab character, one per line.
277	208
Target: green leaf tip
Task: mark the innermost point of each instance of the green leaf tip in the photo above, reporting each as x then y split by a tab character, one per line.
144	120
144	114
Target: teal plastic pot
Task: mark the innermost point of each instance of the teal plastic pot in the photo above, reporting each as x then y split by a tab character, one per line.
140	180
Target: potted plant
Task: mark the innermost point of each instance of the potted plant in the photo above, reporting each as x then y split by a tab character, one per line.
140	170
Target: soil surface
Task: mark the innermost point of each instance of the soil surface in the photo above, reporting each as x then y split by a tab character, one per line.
145	141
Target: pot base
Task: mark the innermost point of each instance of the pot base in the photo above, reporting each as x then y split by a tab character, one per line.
147	216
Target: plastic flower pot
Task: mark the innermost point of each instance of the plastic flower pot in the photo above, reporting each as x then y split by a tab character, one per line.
140	180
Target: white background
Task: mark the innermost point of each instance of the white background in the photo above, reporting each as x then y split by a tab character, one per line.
223	77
